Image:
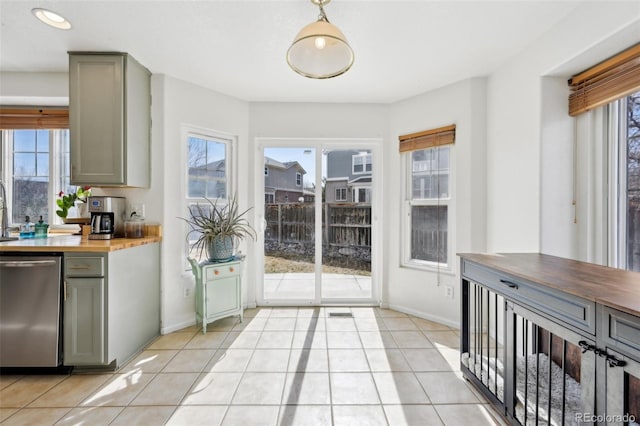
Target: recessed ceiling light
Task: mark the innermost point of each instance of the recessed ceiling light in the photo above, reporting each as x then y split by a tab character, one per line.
51	18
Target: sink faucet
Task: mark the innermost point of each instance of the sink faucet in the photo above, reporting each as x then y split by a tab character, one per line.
4	228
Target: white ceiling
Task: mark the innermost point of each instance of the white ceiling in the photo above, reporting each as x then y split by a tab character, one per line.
238	47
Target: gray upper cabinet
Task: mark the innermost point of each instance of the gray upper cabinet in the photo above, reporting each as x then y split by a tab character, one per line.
109	120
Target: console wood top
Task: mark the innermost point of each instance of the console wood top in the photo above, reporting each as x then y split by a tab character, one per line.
616	288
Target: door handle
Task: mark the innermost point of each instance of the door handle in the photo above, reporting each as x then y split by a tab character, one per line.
25	263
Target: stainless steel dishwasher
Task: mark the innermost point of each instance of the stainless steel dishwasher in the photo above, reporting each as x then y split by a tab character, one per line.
30	308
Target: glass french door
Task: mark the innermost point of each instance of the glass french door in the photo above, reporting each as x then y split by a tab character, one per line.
317	228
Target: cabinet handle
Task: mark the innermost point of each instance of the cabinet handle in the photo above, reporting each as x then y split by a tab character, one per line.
586	346
615	362
79	268
509	284
216	272
231	269
65	290
611	360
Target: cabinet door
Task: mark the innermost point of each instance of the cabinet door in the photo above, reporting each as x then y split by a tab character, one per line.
623	389
551	370
84	327
96	119
223	296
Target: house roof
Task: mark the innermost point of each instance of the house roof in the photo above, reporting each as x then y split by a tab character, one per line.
270	162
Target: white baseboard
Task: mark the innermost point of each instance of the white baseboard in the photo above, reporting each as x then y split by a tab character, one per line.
424	315
176	327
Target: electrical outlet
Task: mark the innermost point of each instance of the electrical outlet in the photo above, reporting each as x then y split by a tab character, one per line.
186	291
448	291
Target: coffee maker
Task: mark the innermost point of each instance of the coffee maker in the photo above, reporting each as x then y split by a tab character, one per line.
107	217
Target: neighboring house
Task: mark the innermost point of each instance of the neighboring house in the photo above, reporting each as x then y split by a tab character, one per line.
348	177
208	180
284	182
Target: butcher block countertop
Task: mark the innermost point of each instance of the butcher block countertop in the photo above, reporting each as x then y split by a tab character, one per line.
74	243
615	288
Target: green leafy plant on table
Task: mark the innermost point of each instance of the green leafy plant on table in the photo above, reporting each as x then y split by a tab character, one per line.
218	228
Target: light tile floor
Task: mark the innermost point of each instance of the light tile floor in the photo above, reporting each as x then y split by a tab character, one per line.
281	366
301	285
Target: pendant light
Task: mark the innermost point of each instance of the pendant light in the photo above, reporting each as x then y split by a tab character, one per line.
320	50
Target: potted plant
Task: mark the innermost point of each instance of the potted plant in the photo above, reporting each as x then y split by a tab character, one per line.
219	228
66	201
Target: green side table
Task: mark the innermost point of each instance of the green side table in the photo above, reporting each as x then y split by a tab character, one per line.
218	290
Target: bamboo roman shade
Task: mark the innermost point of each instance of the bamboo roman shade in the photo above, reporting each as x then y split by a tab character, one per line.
611	79
428	139
34	118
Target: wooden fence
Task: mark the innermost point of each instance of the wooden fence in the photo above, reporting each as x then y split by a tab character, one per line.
343	225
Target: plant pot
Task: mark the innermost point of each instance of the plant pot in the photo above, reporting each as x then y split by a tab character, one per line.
220	249
82	209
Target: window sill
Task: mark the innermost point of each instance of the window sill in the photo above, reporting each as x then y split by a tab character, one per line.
445	270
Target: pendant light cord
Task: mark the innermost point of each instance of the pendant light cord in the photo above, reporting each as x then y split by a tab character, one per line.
322	16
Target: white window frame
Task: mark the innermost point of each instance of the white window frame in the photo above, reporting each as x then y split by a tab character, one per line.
56	177
230	142
616	120
298	179
449	202
362	159
341	191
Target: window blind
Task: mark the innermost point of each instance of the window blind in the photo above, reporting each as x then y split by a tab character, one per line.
428	138
34	118
605	82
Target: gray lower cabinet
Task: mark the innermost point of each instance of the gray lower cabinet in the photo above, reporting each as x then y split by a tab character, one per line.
620	399
84	321
109	120
111	306
545	356
525	359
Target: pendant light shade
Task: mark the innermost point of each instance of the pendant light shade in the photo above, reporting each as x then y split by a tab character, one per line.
320	50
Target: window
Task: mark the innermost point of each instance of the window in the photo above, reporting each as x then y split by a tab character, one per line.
208	159
35	168
361	163
269	198
428	206
207	167
361	195
341	194
298	179
625	119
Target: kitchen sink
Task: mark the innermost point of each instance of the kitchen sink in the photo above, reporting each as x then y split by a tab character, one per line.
5	239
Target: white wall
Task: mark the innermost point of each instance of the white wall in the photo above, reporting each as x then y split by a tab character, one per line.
529	133
188	104
34	88
463	104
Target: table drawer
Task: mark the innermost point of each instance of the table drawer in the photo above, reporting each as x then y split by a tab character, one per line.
565	307
570	309
84	266
621	331
220	271
501	284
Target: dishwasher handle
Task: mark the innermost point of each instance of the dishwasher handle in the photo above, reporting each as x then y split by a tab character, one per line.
26	263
